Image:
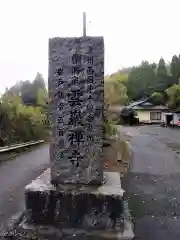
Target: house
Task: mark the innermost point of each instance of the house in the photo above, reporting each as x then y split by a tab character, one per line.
147	112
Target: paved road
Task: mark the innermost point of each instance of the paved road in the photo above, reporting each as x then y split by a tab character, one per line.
14	176
153	183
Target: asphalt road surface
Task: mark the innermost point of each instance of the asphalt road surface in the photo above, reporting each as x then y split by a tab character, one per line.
15	174
153	183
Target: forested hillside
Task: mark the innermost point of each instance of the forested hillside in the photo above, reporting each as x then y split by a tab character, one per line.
159	82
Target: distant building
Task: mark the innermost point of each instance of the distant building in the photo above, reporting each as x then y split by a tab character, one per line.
147	112
171	118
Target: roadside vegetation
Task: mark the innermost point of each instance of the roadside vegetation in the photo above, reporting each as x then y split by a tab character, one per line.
23	112
117	150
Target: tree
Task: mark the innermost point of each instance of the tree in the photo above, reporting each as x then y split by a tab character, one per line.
163	80
29	92
38	89
115	92
141	81
39	82
27	95
42	97
157	98
23	112
173	94
175	68
161	69
153	66
119	77
19	123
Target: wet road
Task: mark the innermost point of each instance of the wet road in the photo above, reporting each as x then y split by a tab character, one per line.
15	174
153	183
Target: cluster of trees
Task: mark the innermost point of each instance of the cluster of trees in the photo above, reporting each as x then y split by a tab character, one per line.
23	112
158	82
115	90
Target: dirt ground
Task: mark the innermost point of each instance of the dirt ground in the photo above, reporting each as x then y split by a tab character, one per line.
117	156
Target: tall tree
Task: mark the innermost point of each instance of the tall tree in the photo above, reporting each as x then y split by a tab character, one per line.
162	76
175	68
141	81
161	69
39	81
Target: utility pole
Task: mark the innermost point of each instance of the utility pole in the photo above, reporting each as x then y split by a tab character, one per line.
84	24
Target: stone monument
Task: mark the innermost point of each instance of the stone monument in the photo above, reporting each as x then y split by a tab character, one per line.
73	199
76	91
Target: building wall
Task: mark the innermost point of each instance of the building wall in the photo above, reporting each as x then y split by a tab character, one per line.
163	118
144	116
176	117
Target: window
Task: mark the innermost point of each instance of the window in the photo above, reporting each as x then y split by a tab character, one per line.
155	115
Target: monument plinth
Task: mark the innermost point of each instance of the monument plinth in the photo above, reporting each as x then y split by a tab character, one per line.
71	200
76	92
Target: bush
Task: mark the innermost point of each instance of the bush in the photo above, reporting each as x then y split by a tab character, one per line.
20	123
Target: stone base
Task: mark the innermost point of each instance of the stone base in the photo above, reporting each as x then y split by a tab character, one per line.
73	211
25	231
74	206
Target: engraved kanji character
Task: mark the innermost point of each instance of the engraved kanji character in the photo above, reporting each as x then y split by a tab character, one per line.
72	121
60	119
90	118
90	70
59	71
89	87
74	95
76	58
76	114
74	156
60	133
60	81
60	106
90	59
89	138
90	127
76	136
76	70
75	117
90	79
59	94
74	98
75	80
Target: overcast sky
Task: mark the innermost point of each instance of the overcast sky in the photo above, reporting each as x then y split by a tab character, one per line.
133	30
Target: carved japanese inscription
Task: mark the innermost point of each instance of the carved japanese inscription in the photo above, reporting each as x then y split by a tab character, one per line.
76	91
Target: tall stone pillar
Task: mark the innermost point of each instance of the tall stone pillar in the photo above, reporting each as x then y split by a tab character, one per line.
76	91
